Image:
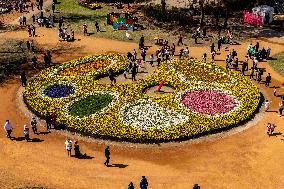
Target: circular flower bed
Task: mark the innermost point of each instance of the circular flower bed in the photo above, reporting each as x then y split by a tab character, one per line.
209	99
209	102
59	91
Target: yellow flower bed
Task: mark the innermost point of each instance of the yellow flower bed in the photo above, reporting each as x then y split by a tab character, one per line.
113	122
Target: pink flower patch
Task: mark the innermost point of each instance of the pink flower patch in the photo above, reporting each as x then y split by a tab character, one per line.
209	102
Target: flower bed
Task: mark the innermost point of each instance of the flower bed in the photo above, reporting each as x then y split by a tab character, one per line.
197	106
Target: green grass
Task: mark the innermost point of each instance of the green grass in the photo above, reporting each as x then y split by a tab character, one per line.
76	15
90	105
278	63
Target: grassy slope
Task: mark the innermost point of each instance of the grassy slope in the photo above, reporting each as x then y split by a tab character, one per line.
278	63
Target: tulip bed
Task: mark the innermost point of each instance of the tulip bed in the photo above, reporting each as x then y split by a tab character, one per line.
204	100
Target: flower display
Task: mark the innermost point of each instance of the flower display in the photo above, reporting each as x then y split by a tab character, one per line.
206	98
59	91
209	102
145	114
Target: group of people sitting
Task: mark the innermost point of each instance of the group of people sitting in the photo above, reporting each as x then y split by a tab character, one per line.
64	35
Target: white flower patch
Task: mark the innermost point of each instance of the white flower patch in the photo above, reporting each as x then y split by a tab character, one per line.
184	79
43	88
179	96
67	115
146	114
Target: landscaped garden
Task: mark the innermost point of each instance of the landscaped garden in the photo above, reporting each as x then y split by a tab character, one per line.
204	101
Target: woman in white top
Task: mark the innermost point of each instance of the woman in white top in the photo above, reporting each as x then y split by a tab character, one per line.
68	144
267	105
8	128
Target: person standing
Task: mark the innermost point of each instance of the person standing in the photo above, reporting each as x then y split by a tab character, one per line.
186	52
134	71
267	105
8	128
281	107
32	6
130	185
26	133
275	91
267	80
143	183
251	73
134	54
143	54
268	51
151	60
46	60
111	77
48	121
97	26
173	49
34	125
53	7
107	155
77	150
212	47
196	186
23	79
68	146
219	43
34	62
85	29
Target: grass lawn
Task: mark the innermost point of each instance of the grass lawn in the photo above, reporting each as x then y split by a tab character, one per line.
90	105
76	15
278	63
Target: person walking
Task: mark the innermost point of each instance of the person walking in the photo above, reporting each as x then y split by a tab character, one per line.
8	128
267	80
23	79
26	133
143	54
107	155
68	146
143	183
130	185
34	125
180	40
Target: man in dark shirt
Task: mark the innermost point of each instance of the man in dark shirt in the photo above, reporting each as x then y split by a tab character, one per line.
267	80
107	155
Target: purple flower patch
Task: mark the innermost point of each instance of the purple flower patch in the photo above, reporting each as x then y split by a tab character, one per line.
59	91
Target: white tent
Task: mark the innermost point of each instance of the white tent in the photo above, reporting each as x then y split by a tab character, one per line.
265	11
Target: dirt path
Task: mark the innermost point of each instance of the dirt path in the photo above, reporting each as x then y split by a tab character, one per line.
249	159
